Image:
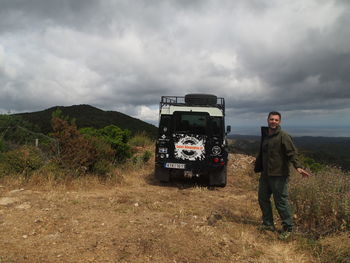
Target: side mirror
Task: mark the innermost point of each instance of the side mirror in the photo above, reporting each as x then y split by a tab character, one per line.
228	129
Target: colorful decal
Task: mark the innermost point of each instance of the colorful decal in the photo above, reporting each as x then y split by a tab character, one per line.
189	147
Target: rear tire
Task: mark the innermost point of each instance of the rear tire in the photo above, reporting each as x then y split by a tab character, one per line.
161	174
218	177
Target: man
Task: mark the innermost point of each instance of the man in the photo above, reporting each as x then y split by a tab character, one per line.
277	154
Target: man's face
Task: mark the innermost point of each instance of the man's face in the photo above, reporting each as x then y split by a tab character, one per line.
273	121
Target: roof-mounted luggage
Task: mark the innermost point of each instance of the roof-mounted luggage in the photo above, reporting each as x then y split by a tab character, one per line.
201	99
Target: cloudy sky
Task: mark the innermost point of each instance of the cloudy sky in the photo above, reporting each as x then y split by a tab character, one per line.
261	55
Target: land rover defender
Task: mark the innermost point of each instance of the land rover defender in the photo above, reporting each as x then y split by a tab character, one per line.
192	138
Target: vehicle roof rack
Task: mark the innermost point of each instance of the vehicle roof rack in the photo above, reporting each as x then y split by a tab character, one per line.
199	100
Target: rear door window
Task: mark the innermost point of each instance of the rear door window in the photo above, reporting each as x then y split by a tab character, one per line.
191	122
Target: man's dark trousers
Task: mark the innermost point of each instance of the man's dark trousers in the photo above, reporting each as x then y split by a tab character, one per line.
278	187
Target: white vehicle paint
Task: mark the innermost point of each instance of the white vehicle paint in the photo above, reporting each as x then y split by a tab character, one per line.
215	112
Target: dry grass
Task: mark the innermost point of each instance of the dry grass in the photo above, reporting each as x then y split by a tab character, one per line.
322	202
136	219
336	248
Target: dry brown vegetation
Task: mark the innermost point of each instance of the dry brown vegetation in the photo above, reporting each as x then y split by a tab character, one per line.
322	205
130	217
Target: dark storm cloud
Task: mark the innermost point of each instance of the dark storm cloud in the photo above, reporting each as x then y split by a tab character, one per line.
312	72
36	14
124	55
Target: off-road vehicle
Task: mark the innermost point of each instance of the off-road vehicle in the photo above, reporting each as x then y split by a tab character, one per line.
192	138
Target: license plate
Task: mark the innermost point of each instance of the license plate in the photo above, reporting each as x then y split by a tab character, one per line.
175	165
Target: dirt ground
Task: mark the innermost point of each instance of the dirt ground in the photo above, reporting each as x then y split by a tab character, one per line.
140	220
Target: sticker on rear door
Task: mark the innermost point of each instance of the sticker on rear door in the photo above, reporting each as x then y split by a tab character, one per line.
190	147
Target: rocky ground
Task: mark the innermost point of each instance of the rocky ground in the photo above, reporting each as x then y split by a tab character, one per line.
140	220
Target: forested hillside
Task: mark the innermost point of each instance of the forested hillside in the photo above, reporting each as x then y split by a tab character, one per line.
88	116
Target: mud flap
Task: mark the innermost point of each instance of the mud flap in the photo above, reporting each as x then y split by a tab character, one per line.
218	177
161	174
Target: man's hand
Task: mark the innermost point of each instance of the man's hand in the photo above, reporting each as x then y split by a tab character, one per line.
303	173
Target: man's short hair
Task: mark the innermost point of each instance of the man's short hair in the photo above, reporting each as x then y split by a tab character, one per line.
274	113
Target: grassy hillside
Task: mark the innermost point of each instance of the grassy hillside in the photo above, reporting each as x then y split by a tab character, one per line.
88	116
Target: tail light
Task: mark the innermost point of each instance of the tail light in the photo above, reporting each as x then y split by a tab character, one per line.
220	161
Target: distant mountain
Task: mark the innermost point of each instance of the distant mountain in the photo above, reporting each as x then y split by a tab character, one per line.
88	116
328	150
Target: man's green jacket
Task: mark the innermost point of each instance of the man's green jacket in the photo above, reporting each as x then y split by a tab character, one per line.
277	153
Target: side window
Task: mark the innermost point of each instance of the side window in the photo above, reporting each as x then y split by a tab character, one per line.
165	124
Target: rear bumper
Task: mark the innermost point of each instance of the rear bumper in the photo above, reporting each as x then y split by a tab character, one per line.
195	167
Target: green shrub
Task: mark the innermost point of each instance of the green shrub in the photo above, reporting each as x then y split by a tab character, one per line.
13	128
140	140
140	159
2	145
310	163
23	160
79	153
146	156
115	137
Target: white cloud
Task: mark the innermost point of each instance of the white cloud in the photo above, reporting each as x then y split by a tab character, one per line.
9	64
147	114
